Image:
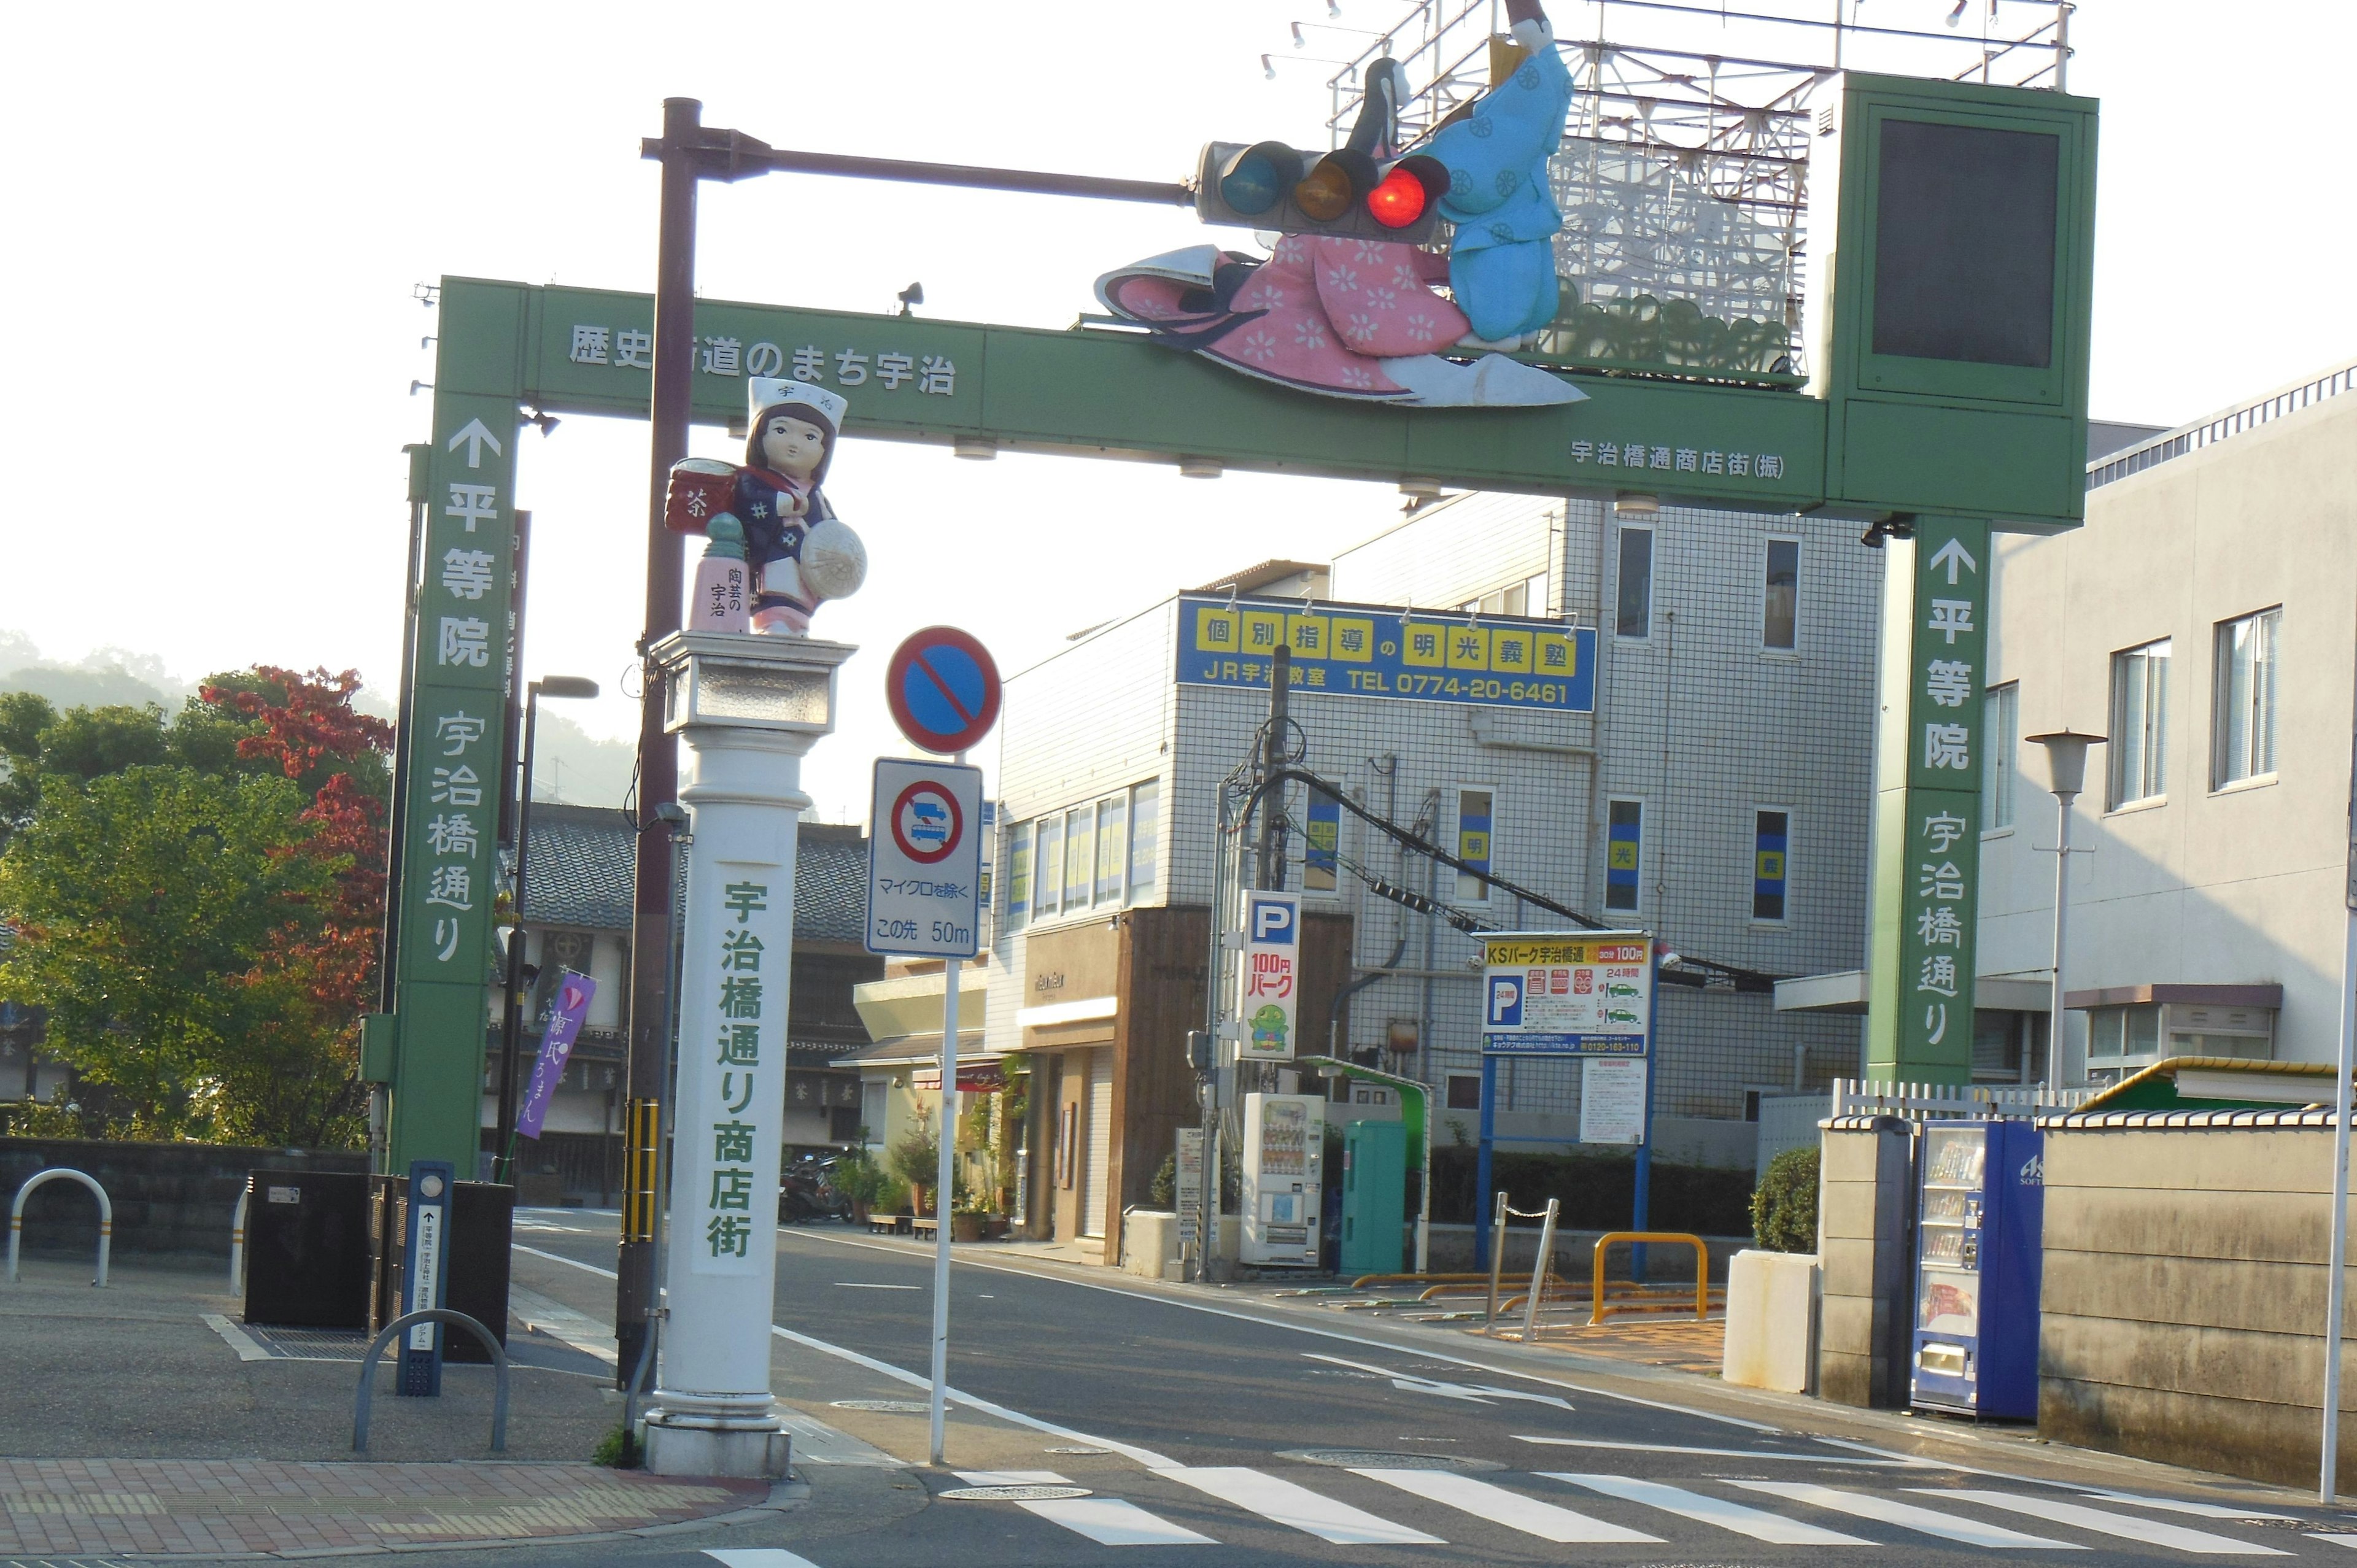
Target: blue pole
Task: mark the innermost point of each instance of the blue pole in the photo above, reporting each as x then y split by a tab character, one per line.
1482	1186
1644	1203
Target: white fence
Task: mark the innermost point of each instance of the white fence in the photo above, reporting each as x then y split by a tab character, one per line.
1939	1101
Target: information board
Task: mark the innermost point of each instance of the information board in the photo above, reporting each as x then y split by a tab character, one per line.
1365	650
1589	993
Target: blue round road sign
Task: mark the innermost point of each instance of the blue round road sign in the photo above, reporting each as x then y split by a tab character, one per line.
942	689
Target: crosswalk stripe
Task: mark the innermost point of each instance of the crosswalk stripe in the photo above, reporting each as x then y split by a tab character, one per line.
1297	1508
1500	1506
2342	1539
2103	1521
1756	1523
756	1557
2179	1505
1108	1521
1907	1515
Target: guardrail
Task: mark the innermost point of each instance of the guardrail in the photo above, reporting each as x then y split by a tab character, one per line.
105	1217
2219	427
1935	1101
1603	1309
411	1320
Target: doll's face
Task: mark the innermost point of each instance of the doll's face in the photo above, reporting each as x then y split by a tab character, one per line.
792	446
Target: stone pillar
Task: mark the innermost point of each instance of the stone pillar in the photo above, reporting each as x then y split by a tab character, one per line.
748	708
1866	1247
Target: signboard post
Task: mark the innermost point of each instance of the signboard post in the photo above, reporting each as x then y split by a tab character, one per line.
424	1283
1585	995
924	882
1268	1001
1186	1191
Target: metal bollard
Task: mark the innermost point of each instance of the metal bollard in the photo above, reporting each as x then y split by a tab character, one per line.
105	1217
1497	1258
1539	1274
434	1314
237	1240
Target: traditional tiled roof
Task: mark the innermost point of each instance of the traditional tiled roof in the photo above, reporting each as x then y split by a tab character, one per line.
584	865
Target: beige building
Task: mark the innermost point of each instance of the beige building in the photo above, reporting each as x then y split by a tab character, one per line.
2204	619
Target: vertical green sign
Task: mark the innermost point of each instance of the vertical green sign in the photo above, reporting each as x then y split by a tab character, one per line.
457	769
1928	803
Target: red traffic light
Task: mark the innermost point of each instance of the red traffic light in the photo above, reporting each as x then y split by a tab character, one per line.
1405	191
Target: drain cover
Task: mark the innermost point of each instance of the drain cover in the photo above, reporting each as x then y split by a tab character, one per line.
1026	1494
898	1407
1363	1460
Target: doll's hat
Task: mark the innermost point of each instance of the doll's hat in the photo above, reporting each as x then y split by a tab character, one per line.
765	392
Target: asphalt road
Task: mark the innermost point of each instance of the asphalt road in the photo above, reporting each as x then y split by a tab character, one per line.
1222	1428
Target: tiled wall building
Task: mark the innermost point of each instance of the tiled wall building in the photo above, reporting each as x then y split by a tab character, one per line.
1734	695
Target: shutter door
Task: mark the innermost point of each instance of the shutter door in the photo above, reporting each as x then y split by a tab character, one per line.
1099	1136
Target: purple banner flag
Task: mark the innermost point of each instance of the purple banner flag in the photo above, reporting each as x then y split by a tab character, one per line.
573	995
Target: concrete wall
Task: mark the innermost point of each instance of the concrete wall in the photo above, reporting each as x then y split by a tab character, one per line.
167	1198
2183	1304
2236	886
1866	1249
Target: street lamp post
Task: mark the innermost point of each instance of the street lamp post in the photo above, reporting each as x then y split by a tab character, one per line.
2066	764
570	686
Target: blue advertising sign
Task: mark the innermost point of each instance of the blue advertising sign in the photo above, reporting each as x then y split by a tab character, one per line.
1368	650
1585	994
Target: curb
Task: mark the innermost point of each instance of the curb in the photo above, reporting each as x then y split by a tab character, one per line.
784	1496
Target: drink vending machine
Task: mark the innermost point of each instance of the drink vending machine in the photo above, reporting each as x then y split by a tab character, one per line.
1979	1253
1283	1166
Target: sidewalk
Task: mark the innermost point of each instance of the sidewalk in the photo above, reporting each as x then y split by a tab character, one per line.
145	1418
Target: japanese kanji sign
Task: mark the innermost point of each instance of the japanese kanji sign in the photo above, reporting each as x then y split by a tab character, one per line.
732	1065
1929	813
1353	650
1589	994
1268	992
925	859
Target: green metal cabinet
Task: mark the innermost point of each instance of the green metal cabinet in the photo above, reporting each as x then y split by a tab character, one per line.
1374	1196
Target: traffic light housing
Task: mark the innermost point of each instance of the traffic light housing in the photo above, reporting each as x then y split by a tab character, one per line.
1346	193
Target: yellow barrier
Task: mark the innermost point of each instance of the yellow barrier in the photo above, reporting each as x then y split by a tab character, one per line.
1604	1309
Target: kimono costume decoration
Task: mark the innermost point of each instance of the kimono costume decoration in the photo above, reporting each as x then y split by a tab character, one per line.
777	550
1501	260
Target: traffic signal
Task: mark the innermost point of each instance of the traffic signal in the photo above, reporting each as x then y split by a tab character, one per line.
1347	192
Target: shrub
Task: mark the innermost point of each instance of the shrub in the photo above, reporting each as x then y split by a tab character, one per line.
1597	1191
1164	1192
1784	1205
859	1177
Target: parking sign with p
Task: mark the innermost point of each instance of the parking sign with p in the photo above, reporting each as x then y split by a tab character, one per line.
1268	990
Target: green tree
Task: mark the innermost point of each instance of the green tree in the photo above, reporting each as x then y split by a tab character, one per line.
145	900
1784	1205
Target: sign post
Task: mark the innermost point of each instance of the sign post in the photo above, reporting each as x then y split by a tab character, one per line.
1588	995
425	1253
924	884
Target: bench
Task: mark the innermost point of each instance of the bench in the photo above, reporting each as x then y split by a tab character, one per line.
886	1224
925	1227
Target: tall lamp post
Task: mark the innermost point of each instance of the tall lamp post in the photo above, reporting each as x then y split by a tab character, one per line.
504	1139
2066	765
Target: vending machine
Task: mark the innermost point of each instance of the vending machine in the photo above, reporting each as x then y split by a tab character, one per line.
1283	1166
1979	1253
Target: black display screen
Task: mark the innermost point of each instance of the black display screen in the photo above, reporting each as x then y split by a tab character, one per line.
1965	243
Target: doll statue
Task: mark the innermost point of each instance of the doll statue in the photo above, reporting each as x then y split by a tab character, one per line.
775	547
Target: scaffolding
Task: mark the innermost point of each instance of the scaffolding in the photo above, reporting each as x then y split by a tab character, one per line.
1683	176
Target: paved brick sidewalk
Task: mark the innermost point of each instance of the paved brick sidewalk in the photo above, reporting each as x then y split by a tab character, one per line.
253	1507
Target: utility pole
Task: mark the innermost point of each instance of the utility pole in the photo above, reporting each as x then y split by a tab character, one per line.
650	912
1271	877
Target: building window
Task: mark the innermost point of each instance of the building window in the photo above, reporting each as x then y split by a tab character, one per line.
1464	1092
2009	1048
1113	846
1780	629
1636	602
1018	875
1145	834
1079	856
1047	867
1321	844
1527	597
1771	841
2000	738
1476	811
2139	748
2244	724
2117	1035
1623	854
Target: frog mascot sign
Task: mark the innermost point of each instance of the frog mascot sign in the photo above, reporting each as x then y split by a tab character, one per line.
776	550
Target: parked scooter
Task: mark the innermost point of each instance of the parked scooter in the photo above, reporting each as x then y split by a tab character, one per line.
806	1191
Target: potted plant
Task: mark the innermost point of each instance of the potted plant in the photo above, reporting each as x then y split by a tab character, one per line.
860	1179
916	1160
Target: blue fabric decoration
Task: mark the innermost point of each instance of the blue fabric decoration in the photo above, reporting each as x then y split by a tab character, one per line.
1501	265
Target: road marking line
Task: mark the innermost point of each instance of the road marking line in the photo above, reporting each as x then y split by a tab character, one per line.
1716	1453
2336	1540
756	1557
2128	1527
1512	1509
1907	1515
1145	1456
1108	1521
1757	1523
244	1344
857	1284
1421	1352
2205	1510
1297	1508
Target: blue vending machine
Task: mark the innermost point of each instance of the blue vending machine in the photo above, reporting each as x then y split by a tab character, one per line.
1979	1244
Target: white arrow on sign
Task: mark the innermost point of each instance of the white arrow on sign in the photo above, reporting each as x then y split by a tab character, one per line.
1952	555
477	436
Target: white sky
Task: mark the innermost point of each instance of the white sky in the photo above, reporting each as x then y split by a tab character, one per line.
214	217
